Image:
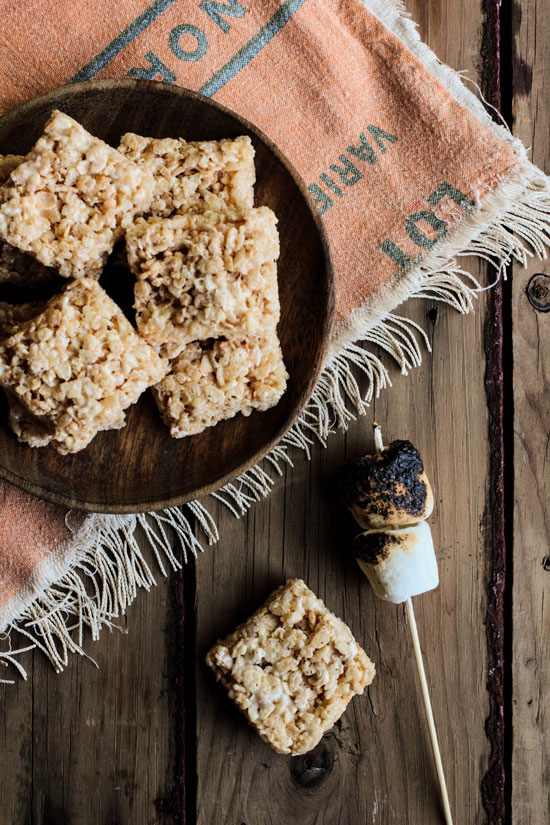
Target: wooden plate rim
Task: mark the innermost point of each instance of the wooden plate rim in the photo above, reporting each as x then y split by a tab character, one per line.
305	395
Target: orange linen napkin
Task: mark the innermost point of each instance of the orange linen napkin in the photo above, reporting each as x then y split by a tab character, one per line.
401	161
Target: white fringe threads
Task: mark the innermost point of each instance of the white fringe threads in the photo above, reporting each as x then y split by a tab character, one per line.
102	576
102	580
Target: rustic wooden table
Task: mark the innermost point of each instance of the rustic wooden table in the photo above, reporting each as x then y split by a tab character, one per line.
149	738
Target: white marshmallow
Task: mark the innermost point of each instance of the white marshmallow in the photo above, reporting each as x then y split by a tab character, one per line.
398	562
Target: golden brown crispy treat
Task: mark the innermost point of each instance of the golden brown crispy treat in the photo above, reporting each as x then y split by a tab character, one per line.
205	276
71	198
13	314
212	174
216	380
8	164
292	668
74	368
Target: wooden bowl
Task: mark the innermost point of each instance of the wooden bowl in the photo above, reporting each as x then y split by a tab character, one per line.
141	467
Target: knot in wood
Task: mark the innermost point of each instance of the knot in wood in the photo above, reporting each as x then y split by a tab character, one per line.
538	292
311	769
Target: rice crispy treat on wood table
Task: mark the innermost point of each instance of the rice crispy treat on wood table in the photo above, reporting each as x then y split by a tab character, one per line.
71	198
212	174
205	276
292	668
216	380
74	368
17	267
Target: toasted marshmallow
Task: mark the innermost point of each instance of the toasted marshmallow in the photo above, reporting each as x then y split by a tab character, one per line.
388	488
398	562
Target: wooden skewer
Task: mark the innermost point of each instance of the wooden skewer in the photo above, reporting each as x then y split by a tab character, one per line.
429	712
379	446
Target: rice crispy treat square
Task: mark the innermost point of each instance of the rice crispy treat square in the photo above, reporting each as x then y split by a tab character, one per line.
195	176
71	198
17	267
215	380
205	276
292	668
74	368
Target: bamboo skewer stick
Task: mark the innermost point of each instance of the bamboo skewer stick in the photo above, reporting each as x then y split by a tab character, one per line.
429	712
379	446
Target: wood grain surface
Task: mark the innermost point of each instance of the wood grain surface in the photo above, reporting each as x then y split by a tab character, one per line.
150	739
529	666
140	467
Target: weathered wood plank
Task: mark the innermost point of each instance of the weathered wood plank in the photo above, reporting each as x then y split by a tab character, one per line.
100	745
375	766
531	344
16	748
493	786
104	744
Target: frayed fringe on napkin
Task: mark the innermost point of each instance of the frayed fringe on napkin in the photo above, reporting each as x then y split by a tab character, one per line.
510	224
96	576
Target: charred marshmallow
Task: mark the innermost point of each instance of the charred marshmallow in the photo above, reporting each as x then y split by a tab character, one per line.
387	489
